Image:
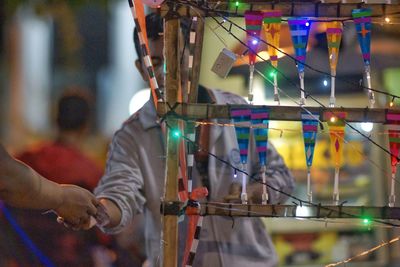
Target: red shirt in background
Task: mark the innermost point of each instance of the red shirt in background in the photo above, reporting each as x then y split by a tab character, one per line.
64	164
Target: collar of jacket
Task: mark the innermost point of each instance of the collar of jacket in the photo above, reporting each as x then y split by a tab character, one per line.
148	115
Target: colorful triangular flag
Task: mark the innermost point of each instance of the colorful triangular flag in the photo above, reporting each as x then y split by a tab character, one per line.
362	21
393	125
253	21
260	123
272	29
334	31
299	30
241	118
337	124
310	129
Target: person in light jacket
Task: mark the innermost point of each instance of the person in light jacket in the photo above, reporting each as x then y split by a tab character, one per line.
133	182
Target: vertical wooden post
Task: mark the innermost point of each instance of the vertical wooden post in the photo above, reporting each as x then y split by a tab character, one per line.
172	84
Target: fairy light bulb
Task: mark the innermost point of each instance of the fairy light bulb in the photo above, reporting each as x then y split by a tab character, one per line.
391	103
333	119
387	19
235	174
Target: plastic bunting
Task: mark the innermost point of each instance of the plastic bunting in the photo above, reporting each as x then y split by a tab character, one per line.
334	30
253	20
272	29
362	21
260	122
393	125
310	130
336	123
299	30
241	118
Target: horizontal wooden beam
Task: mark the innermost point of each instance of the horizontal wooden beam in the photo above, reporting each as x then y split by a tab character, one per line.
289	8
279	113
288	211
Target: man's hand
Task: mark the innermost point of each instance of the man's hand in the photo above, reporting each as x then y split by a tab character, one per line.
77	207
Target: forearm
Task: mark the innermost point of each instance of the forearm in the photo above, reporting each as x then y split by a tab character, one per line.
23	187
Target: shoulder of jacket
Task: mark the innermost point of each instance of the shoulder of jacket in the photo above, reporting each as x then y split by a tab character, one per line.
229	97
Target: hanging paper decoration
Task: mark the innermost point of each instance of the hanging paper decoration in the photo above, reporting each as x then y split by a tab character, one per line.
299	30
310	130
336	123
334	31
393	123
241	118
362	20
260	122
272	29
253	20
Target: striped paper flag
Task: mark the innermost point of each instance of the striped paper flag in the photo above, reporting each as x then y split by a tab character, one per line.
299	30
259	121
310	130
241	117
253	20
334	31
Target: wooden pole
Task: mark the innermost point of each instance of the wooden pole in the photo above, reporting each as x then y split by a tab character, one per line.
289	211
282	113
172	82
303	8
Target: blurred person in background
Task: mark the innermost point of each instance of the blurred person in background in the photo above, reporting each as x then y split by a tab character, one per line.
62	161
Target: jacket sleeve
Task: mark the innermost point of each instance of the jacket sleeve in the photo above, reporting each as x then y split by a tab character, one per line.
278	177
122	182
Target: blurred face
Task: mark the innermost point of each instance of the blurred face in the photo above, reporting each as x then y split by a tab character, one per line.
156	52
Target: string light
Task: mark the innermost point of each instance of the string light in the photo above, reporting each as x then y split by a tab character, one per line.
235	174
254	42
237	4
333	119
176	133
366	221
387	19
290	56
325	82
391	104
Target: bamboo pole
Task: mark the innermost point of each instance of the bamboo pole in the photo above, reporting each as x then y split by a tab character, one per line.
303	8
283	113
170	226
288	211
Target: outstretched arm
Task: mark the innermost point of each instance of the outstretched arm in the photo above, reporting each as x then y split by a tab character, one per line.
21	186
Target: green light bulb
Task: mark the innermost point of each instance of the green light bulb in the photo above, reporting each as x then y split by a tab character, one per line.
366	221
176	133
